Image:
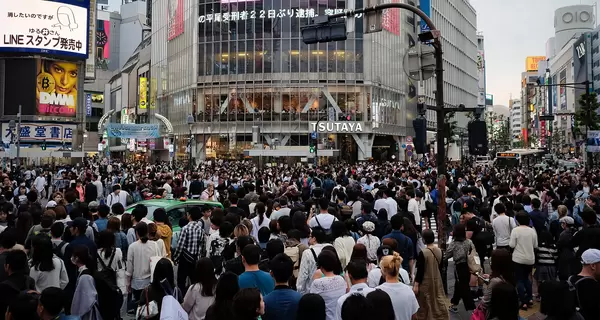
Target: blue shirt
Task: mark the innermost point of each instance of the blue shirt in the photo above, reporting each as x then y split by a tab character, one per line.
257	279
101	224
405	247
281	304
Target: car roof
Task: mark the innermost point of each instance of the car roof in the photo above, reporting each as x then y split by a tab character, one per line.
166	203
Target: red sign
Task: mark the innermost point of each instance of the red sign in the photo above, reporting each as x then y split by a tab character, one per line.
543	133
390	19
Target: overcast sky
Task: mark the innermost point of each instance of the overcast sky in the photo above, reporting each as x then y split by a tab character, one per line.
513	30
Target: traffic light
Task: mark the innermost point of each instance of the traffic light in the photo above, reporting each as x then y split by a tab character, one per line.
420	139
324	32
478	143
44	146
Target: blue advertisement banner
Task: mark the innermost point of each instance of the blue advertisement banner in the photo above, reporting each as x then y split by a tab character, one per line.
425	6
133	131
88	104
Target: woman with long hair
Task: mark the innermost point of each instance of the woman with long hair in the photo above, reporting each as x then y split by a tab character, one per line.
114	226
330	286
227	287
138	261
343	243
47	269
360	253
428	286
24	224
153	235
311	307
504	304
248	304
85	299
201	294
459	250
260	220
410	231
109	256
299	223
163	276
403	299
502	271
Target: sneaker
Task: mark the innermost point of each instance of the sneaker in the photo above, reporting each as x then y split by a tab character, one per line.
453	309
475	299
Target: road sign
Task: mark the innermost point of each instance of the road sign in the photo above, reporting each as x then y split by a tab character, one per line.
409	147
409	154
403	146
419	62
409	139
313	135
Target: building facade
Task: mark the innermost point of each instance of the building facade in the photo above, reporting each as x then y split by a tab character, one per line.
516	120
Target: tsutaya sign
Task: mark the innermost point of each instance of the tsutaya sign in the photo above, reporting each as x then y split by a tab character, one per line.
336	127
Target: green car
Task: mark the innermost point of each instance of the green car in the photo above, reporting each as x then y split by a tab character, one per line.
176	209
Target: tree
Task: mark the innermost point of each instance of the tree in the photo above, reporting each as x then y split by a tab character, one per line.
500	133
586	118
518	144
450	130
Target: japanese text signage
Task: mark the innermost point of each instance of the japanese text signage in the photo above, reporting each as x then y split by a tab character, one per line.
56	88
506	155
267	14
336	127
143	93
47	132
88	104
44	27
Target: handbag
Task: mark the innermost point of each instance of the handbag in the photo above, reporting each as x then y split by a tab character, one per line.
148	310
479	313
473	260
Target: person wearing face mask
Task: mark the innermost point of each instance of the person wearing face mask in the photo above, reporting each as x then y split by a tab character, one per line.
77	228
85	298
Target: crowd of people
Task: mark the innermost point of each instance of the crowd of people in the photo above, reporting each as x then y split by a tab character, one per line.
338	242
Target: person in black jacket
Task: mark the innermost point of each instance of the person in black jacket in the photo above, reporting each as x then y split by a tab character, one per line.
196	187
91	192
17	281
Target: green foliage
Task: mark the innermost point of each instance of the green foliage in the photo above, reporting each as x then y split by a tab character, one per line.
450	129
518	145
501	134
586	116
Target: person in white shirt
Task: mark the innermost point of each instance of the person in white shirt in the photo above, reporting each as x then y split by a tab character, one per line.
117	196
40	186
403	298
324	219
167	185
308	263
381	204
47	269
392	205
414	208
503	226
523	240
357	273
481	188
99	187
260	220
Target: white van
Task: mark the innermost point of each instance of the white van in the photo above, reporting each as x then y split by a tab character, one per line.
483	161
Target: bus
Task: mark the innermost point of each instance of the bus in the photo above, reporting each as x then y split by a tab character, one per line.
516	157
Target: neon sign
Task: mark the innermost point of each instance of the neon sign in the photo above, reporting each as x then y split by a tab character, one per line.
266	14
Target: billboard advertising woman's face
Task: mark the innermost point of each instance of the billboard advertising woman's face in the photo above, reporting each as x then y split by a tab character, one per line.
57	88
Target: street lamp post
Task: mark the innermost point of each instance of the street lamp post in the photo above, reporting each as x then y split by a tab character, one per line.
190	121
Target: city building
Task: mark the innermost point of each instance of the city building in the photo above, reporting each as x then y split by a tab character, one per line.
516	121
233	66
42	63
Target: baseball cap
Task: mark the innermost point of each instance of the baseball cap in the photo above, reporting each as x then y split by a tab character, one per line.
590	256
79	223
384	251
567	220
51	204
93	205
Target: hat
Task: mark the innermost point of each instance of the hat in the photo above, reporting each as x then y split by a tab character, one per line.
567	220
93	205
79	223
51	204
368	226
385	251
590	256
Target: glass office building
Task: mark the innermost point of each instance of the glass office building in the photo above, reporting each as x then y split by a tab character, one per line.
242	64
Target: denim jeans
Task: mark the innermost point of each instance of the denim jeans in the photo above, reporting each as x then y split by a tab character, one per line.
523	273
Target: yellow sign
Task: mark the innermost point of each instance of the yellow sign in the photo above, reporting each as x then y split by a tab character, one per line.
153	88
531	63
143	93
506	155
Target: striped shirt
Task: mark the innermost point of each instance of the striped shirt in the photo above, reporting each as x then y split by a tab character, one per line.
546	254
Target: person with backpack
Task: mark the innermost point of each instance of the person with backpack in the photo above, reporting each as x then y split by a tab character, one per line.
308	265
110	261
323	219
85	303
585	285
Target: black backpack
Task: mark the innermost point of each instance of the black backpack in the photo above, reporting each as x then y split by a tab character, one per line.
110	297
58	248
